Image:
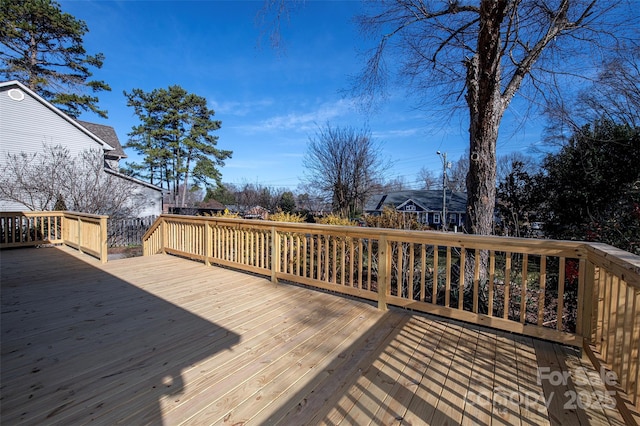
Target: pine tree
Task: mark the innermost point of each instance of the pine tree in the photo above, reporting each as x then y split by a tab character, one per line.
175	138
43	48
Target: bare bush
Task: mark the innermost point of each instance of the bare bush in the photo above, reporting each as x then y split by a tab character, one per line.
53	176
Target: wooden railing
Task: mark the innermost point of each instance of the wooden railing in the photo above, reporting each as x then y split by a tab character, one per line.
569	292
612	328
84	232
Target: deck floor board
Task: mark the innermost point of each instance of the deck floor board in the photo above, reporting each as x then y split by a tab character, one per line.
167	341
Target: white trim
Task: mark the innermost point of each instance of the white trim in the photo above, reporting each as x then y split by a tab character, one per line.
414	203
132	179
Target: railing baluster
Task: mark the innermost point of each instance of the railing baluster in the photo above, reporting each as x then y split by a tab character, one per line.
542	291
434	294
326	258
343	259
447	284
411	268
463	256
560	310
507	286
476	281
399	270
423	272
627	338
523	288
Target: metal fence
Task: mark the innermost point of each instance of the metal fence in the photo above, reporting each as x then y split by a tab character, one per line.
128	231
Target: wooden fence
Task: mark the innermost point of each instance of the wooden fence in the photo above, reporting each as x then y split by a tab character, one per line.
570	292
84	232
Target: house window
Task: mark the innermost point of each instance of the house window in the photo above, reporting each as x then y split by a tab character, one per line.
452	218
410	208
436	218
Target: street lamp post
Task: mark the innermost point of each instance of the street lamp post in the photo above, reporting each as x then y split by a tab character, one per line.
445	165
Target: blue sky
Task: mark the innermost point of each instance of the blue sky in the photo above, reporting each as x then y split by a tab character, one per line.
270	102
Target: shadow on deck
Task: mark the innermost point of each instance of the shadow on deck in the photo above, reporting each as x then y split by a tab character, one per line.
163	340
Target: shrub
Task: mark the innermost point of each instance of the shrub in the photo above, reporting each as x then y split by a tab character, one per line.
286	217
334	219
391	218
225	213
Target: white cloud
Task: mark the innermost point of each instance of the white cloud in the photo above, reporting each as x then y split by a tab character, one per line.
241	109
304	121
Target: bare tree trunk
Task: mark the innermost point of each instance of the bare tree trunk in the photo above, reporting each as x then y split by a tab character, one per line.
186	180
485	113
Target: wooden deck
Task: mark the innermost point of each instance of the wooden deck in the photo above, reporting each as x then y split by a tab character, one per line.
163	340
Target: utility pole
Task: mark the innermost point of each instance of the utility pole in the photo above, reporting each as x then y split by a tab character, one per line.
445	166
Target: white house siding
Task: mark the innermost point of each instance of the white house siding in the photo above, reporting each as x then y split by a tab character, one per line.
29	124
151	203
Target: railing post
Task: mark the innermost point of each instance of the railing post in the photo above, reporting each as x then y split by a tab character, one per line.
63	227
275	255
104	255
163	235
384	266
590	304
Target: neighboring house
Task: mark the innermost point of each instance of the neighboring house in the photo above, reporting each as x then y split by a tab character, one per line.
28	122
256	212
426	205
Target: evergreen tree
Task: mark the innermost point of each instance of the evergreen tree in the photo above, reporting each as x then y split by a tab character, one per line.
221	194
175	139
591	187
287	202
42	47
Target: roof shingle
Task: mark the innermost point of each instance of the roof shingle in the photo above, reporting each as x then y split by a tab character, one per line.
108	135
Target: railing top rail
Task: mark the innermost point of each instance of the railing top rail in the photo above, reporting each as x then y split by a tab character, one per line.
29	213
85	215
436	237
156	223
624	264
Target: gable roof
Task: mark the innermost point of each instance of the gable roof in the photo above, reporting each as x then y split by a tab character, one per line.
58	112
212	204
107	134
411	202
430	200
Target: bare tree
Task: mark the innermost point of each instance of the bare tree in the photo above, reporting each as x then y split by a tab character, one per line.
312	199
343	163
481	52
40	180
396	184
526	164
246	196
613	96
457	175
428	179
